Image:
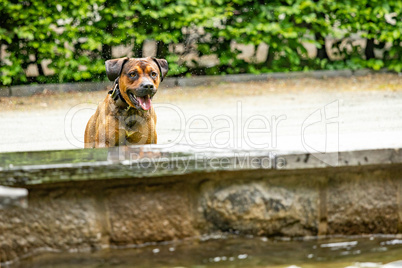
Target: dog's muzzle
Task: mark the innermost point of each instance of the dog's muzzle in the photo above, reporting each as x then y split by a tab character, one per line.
142	96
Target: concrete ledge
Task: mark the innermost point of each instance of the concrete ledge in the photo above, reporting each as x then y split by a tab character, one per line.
47	167
38	168
98	198
338	159
28	169
169	82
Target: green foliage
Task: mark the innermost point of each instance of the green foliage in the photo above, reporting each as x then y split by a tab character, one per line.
77	36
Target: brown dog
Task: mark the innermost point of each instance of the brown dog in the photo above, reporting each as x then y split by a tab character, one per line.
126	116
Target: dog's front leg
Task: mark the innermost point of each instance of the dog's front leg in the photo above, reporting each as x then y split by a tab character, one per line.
109	134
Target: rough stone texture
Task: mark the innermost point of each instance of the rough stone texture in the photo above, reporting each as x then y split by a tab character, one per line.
55	220
77	215
264	208
150	214
362	202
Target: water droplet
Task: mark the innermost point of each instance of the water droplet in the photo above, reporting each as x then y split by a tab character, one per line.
217	259
242	256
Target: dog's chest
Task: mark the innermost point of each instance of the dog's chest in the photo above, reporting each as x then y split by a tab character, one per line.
136	128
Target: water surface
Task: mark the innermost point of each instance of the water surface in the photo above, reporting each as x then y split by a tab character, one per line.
231	251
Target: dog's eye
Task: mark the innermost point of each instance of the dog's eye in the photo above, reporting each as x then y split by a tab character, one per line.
154	74
133	75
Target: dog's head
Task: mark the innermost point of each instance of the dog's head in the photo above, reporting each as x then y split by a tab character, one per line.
139	78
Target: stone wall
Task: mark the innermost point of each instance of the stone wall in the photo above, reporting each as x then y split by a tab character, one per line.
87	214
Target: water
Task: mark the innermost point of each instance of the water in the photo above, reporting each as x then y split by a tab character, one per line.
231	251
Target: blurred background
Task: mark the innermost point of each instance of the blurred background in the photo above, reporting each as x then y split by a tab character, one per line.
68	41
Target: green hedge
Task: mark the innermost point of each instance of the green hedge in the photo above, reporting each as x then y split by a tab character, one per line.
77	36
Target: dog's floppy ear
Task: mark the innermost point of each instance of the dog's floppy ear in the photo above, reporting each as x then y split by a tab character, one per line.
114	67
163	66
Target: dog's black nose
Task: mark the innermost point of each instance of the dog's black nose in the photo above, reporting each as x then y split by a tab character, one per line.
148	86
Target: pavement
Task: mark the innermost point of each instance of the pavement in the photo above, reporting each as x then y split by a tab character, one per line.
298	115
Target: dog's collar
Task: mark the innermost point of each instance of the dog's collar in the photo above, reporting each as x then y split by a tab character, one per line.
117	97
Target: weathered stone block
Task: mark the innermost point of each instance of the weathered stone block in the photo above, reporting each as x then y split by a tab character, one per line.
362	202
150	214
55	220
263	208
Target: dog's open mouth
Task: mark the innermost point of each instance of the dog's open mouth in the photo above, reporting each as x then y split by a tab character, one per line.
144	102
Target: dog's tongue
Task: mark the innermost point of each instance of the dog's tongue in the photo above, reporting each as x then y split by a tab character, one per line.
145	102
